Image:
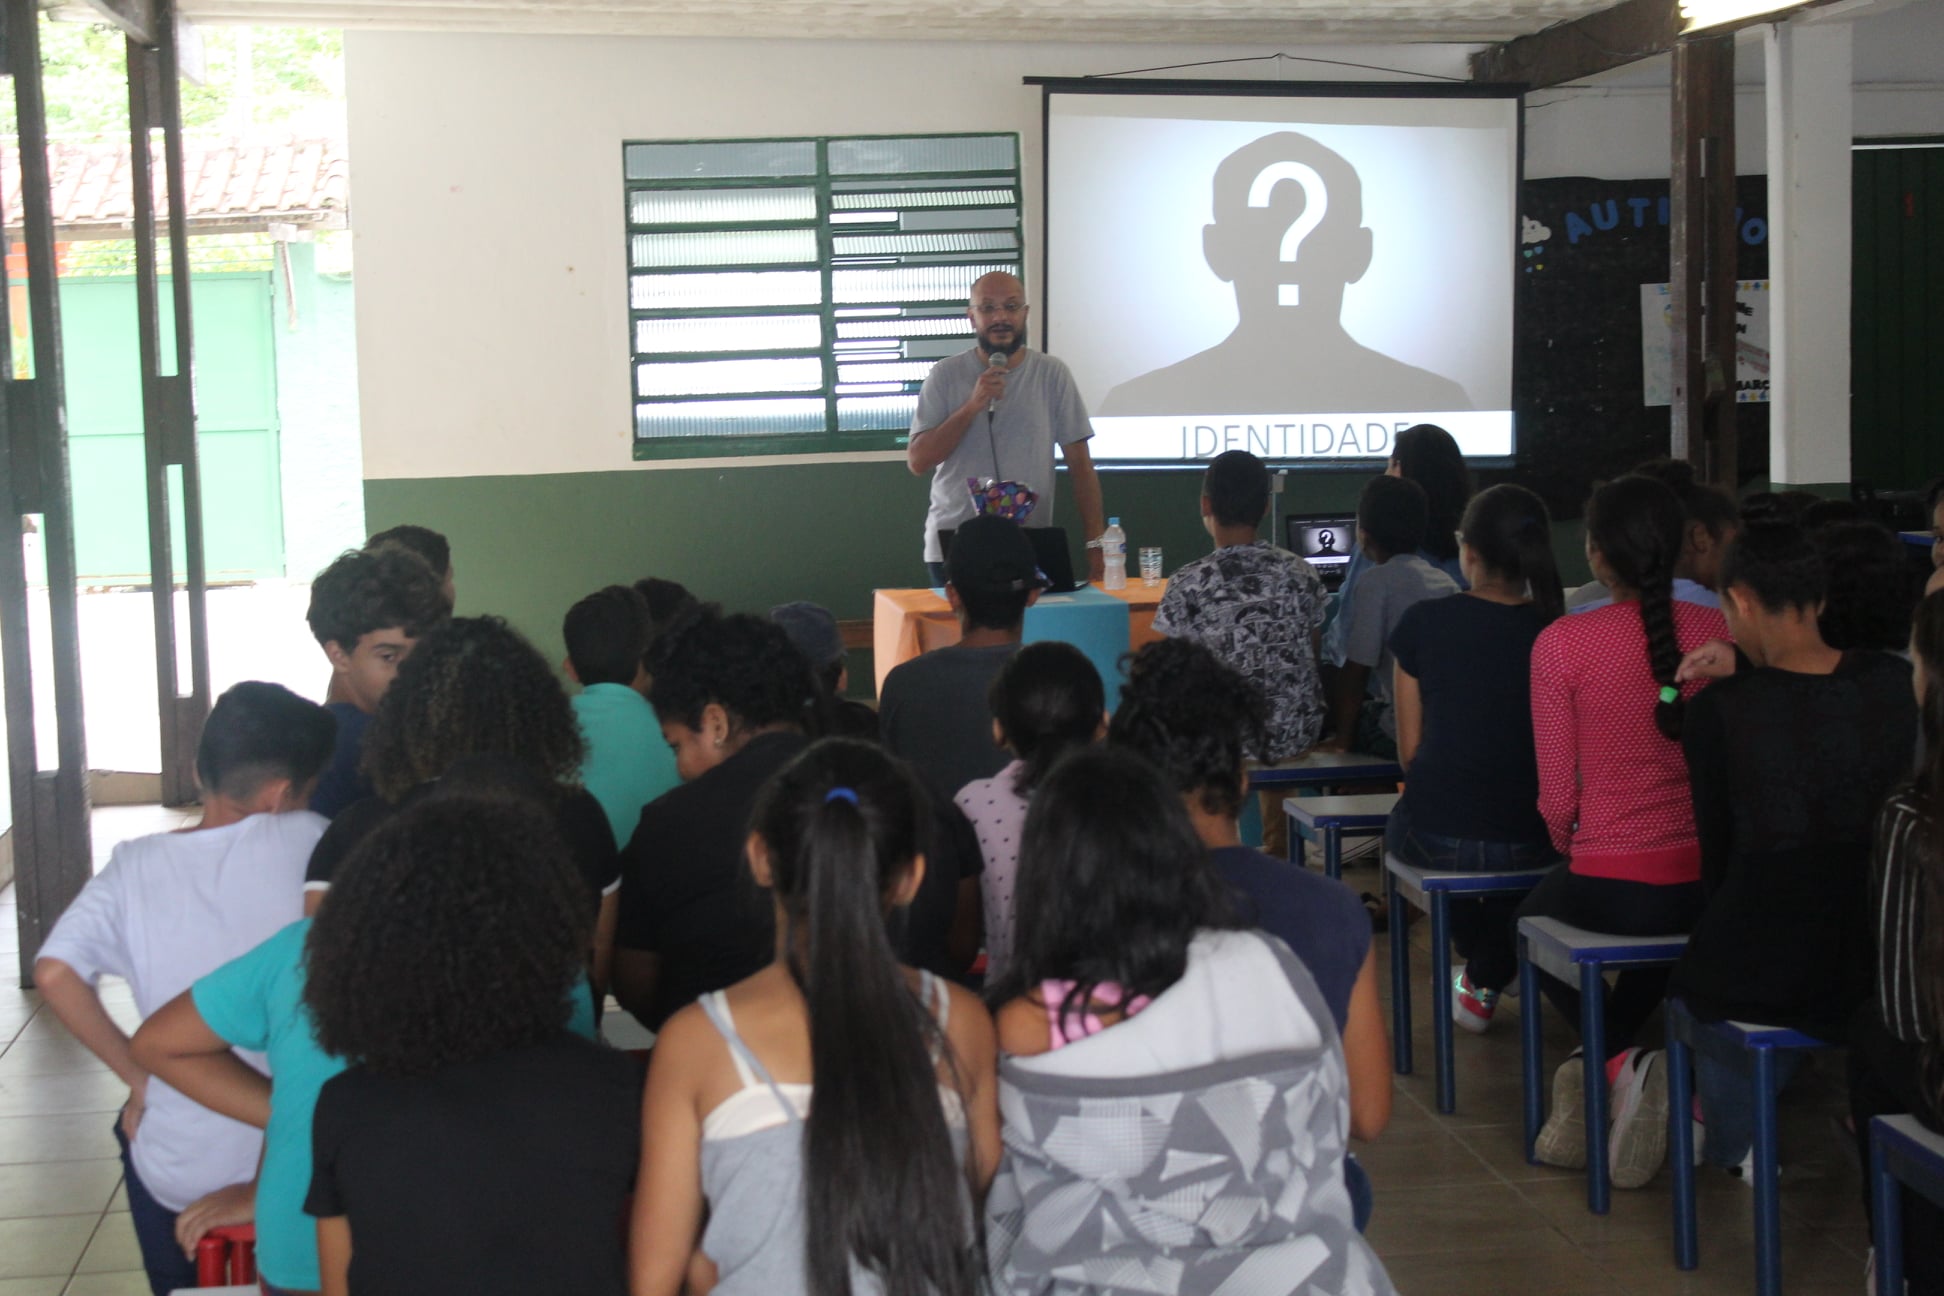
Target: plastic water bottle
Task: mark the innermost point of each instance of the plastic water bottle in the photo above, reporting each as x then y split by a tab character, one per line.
1113	549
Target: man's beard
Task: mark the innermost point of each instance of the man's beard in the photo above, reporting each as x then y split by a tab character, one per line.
1007	348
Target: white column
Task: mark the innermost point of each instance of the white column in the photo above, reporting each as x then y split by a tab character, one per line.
1809	136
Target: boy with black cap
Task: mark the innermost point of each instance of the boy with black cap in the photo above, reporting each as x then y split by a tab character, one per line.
933	708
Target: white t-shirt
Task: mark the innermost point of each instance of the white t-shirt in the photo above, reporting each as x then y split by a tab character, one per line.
167	910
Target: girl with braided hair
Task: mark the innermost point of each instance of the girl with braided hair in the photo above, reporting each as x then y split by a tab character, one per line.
1613	791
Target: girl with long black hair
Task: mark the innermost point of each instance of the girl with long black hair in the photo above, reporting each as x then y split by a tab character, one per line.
1613	790
1896	1057
1464	730
1144	1031
824	1125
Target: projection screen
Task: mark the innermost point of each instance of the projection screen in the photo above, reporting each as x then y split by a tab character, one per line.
1301	271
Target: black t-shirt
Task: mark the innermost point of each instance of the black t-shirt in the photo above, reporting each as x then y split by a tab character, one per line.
686	895
934	714
507	1175
952	855
1475	775
582	824
1787	771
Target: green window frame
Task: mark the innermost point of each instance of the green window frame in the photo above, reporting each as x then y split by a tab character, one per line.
789	295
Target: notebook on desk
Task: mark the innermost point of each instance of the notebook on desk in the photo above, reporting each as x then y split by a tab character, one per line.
1050	555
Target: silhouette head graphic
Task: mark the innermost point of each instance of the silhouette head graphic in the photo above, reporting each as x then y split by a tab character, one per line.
1288	231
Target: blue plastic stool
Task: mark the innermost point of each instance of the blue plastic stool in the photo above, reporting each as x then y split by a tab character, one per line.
1578	958
1764	1042
1902	1152
1432	892
1320	771
1332	818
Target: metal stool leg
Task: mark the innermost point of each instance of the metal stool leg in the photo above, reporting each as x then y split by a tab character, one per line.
1886	1223
1680	1140
1768	1187
1440	1006
1400	961
1531	1050
1333	851
1593	1053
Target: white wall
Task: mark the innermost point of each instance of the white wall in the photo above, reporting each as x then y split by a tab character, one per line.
486	185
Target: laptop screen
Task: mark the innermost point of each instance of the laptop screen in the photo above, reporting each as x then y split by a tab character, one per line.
1324	541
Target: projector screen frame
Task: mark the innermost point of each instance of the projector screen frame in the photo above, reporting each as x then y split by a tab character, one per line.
1188	86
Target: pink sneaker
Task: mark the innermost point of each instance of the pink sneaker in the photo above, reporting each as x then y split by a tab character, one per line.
1471	1007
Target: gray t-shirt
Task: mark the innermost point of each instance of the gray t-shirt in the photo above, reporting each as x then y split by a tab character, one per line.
934	715
1041	407
1384	593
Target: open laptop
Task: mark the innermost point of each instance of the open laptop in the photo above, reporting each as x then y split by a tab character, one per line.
1325	539
1050	555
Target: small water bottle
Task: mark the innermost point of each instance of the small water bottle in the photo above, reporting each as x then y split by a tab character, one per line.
1113	549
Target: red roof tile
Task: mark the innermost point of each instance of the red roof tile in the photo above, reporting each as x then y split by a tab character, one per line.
229	182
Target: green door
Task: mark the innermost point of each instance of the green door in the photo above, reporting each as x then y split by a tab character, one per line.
236	420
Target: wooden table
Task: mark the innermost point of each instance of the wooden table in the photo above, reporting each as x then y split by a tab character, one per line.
907	622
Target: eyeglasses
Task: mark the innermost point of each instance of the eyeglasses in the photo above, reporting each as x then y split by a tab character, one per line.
999	308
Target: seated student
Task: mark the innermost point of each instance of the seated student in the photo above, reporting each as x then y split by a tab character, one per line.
1712	520
1390	527
427	544
667	600
1613	790
627	764
1045	702
1895	1035
1788	762
1145	1032
256	1002
476	690
1463	685
1428	455
169	908
367	609
475	1143
827	1123
932	708
732	694
1871	592
814	631
1194	718
1257	608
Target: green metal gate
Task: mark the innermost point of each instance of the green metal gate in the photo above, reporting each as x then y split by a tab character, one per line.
236	420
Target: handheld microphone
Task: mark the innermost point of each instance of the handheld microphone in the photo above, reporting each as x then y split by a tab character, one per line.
994	361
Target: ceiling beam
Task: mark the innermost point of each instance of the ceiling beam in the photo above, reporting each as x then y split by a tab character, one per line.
135	19
1628	32
1599	42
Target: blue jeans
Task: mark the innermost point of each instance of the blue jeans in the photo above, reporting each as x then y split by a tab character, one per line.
1485	930
1357	1180
935	573
1724	1081
168	1269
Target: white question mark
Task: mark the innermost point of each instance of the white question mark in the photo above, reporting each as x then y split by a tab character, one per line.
1316	202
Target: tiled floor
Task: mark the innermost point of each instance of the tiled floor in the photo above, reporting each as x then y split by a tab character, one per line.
1459	1212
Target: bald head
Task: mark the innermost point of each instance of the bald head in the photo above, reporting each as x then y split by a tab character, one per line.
997	310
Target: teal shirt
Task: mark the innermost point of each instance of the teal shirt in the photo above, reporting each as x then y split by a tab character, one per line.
627	765
257	1002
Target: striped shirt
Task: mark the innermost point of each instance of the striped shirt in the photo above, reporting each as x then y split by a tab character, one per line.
1897	867
1613	791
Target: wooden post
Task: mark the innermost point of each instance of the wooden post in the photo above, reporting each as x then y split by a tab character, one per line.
168	405
1702	270
53	857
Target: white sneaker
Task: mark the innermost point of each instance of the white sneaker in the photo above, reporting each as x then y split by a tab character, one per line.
1562	1141
1637	1143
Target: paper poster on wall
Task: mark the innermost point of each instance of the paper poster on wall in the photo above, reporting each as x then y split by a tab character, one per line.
1751	342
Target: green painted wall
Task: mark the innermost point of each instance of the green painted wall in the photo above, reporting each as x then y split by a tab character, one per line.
750	537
